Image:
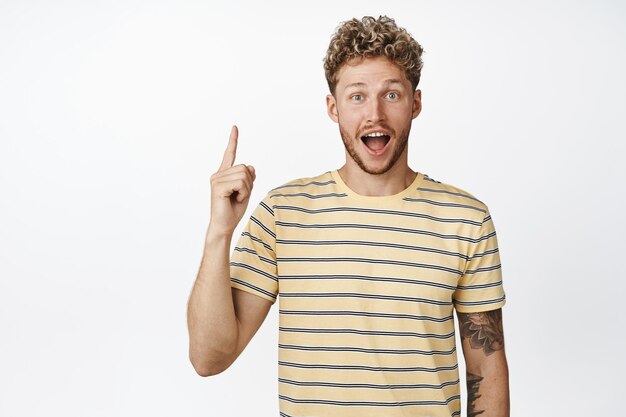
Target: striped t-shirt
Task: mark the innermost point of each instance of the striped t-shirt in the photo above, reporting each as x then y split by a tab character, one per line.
367	289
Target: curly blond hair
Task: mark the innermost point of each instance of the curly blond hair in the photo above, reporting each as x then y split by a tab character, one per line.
371	37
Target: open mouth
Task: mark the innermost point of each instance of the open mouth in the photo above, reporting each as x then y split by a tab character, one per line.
376	141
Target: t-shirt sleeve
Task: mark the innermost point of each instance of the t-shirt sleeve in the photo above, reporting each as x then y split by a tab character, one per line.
253	260
480	287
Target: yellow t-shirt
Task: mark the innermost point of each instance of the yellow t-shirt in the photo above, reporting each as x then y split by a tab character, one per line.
367	289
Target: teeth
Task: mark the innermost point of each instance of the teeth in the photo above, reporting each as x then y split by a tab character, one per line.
375	134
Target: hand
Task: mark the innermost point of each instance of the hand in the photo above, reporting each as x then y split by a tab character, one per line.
231	187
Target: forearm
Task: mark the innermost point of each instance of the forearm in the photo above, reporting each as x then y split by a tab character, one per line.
488	390
482	339
211	318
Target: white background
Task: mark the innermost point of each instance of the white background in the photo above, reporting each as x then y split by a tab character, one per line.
113	116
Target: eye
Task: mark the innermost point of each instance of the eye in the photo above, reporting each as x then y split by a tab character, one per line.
356	97
392	96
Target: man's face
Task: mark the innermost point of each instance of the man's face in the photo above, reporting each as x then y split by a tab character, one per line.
374	104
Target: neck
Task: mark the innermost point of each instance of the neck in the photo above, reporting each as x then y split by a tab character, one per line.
394	181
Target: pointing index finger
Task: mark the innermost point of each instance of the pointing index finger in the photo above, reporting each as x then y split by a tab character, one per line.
229	154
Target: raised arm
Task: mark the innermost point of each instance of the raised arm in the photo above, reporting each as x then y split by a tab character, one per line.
482	339
221	320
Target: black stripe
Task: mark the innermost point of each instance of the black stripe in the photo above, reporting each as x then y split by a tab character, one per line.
253	252
379	244
485	237
372	386
368	403
479	286
485	253
361	295
374	261
266	207
450	192
364	313
254	287
370	278
368	368
367	350
439	203
427	178
377	211
478	303
256	239
311	196
366	332
253	269
262	226
483	269
378	227
304	184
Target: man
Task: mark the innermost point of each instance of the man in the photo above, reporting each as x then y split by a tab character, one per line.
369	260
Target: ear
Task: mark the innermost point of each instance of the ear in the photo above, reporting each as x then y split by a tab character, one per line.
331	106
417	103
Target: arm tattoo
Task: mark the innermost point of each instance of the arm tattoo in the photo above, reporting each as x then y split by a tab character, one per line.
473	382
483	329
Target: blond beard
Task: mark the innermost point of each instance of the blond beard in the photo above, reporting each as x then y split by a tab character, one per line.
348	144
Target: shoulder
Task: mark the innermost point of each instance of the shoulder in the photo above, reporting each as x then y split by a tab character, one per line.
297	193
449	194
303	186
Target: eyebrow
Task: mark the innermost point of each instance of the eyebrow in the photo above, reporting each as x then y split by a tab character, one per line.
386	83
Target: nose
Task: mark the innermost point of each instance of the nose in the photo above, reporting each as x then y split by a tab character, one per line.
375	111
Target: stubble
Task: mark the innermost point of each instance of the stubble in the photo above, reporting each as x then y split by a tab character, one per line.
349	144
